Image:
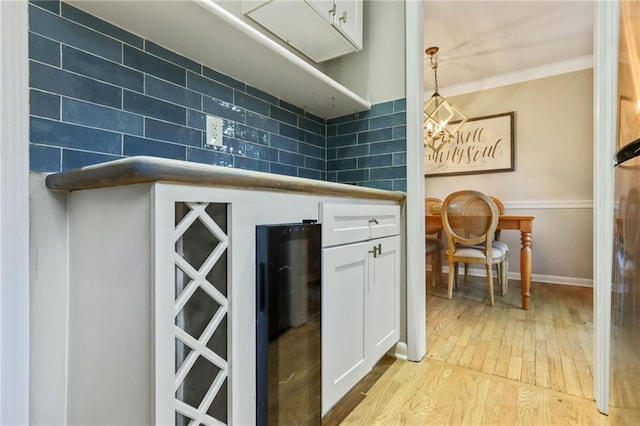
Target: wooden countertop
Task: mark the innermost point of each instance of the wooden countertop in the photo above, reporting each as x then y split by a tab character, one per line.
142	169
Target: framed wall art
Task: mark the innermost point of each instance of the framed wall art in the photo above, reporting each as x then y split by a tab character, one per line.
482	145
628	121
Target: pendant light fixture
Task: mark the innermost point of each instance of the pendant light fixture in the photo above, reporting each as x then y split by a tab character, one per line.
439	113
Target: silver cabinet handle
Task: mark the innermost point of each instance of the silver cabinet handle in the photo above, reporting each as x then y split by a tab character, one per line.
333	10
377	250
343	18
373	220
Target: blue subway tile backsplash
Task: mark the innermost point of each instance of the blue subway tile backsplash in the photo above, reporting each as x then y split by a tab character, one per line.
99	93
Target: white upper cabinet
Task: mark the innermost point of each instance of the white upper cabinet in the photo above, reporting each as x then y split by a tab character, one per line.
320	29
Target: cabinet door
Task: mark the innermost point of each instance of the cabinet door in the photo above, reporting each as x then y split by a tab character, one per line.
344	282
383	298
348	20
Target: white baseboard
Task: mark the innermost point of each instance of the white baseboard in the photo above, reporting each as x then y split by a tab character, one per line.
538	278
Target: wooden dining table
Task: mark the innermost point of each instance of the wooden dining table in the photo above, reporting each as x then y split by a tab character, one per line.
524	224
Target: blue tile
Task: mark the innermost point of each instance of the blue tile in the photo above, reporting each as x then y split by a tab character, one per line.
172	133
291	132
309	174
55	133
341	164
389	146
314	139
352	151
155	108
149	64
262	95
223	109
64	83
311	126
250	103
397	172
317	119
133	145
251	135
384	108
291	159
315	163
171	56
209	87
250	164
280	114
44	104
343	140
196	119
353	127
332	176
375	135
286	144
399	159
209	157
234	146
344	118
223	78
400	132
68	32
172	93
99	25
92	115
75	159
375	161
281	169
379	184
44	50
396	119
332	130
290	107
44	158
261	122
50	5
261	152
400	105
100	69
400	185
353	176
309	150
332	154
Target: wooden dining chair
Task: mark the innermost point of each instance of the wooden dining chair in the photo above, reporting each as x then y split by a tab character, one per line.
433	242
502	269
470	219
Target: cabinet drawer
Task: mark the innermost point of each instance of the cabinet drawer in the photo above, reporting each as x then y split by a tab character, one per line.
348	223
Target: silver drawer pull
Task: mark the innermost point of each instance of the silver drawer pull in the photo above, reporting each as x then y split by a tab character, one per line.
377	250
374	220
343	18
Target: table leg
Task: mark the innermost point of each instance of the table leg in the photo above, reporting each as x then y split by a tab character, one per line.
525	267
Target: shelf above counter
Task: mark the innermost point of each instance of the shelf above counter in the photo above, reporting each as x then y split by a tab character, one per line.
207	33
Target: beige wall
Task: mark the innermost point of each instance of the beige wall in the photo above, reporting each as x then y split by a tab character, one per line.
553	171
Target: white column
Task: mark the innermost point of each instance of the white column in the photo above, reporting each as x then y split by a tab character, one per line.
416	312
14	214
605	93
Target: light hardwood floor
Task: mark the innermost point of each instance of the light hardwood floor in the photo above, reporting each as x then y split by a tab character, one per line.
491	365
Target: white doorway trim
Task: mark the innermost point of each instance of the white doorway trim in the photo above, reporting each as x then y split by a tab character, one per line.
416	313
14	213
605	93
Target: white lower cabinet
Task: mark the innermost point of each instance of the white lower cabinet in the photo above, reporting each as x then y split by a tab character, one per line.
360	312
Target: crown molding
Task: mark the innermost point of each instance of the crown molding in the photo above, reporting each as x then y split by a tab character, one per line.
548	70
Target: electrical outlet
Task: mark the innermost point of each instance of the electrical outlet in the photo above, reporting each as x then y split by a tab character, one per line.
214	131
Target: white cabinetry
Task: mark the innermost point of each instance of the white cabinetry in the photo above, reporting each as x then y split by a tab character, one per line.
361	293
320	29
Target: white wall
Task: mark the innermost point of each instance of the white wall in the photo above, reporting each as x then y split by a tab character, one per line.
553	171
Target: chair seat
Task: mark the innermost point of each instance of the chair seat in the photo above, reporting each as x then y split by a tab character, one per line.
495	244
478	252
